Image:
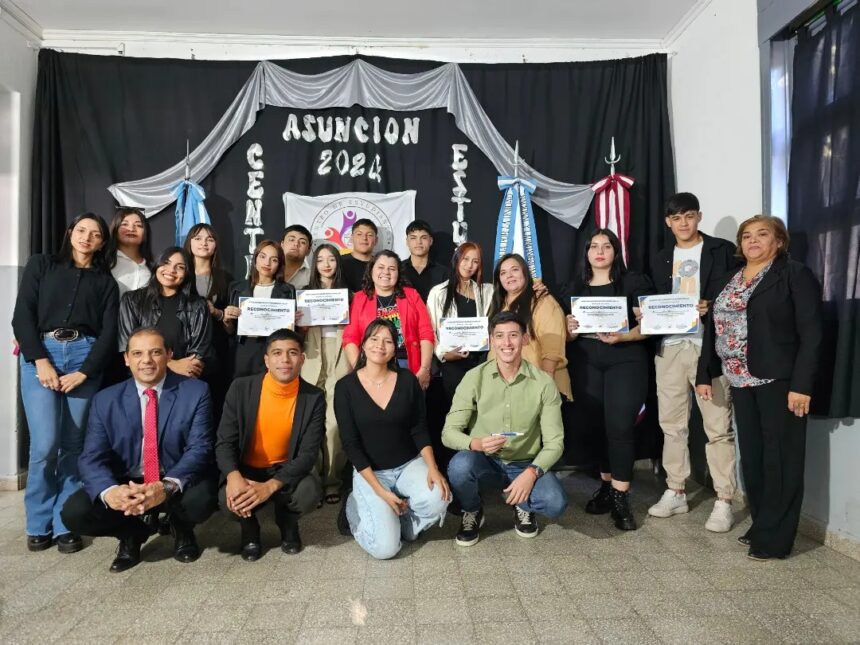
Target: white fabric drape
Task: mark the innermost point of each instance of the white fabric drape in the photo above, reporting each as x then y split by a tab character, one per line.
364	84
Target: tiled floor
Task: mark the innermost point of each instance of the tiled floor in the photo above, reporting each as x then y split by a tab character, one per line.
579	581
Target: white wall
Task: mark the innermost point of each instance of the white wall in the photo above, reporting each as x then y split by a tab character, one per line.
17	93
716	117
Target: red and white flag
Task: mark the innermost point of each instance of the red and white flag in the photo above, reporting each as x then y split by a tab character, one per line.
612	207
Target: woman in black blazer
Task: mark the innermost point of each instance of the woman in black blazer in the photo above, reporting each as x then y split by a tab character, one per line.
267	266
766	330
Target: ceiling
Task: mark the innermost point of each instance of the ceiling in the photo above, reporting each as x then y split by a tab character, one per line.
466	19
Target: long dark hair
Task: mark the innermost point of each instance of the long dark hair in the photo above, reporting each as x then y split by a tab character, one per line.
616	271
371	329
454	279
255	275
218	285
186	291
367	280
337	280
113	243
64	255
522	305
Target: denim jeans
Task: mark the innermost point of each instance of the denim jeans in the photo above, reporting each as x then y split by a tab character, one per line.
57	423
469	471
375	526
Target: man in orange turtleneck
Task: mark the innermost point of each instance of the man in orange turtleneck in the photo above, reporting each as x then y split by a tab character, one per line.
268	442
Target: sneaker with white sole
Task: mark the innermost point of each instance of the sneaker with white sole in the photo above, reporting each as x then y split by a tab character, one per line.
524	523
670	504
721	518
469	528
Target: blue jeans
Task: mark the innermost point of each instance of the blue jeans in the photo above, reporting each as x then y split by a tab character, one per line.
470	470
375	526
57	423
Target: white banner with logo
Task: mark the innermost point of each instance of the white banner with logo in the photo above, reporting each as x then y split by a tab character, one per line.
329	218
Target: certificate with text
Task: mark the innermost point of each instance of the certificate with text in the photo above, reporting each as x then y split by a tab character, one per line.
316	307
600	315
468	334
669	314
262	316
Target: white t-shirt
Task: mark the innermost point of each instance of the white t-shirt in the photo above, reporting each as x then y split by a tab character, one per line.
129	275
686	279
264	290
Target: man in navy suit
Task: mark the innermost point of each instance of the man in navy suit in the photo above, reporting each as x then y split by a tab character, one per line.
148	450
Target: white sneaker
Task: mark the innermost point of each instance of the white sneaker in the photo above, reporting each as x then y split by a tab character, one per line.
721	518
670	504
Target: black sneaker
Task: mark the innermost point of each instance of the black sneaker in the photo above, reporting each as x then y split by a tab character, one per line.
524	523
469	527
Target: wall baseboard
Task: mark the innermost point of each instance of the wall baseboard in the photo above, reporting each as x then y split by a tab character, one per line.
815	530
13	482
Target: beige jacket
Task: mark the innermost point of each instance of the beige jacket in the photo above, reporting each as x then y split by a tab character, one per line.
313	355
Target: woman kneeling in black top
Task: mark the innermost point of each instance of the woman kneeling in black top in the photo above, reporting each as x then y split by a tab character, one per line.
398	491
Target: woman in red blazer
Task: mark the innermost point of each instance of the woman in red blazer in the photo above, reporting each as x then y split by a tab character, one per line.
384	295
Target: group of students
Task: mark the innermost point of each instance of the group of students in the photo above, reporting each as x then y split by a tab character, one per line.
337	414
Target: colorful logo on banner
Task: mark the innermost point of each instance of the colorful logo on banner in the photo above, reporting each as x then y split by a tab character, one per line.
516	228
330	218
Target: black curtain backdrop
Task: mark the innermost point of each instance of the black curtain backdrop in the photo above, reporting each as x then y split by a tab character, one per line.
824	196
102	120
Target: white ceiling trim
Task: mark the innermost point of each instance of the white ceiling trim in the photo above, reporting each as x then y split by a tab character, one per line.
681	26
253	47
20	21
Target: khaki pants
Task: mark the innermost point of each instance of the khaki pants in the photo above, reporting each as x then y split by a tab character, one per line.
332	458
676	376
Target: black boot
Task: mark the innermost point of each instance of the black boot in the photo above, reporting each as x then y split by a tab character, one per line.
288	522
601	502
251	548
621	513
127	554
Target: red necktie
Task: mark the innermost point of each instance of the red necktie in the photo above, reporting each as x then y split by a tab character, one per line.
151	472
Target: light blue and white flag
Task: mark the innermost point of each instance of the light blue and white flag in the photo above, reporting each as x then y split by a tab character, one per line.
516	229
190	209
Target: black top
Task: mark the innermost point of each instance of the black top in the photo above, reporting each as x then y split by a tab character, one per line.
784	330
378	438
353	271
466	307
433	274
54	295
631	286
168	324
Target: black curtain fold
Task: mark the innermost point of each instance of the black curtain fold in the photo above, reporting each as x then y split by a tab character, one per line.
102	120
824	196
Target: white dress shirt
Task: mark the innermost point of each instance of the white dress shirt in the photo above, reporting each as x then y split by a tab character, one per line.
129	275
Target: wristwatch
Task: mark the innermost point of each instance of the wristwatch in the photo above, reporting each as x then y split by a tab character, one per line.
538	470
170	487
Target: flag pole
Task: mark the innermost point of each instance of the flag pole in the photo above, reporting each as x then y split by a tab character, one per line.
613	158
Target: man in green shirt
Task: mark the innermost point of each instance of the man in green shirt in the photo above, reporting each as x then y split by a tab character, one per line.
505	421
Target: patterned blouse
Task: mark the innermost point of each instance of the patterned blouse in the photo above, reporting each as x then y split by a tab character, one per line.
730	321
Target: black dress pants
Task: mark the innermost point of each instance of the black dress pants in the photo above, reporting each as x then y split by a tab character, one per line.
85	516
610	383
772	444
302	499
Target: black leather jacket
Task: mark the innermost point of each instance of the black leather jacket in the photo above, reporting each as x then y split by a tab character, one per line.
193	317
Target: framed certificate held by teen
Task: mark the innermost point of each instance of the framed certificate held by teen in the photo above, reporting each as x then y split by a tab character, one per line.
600	315
262	316
466	334
669	314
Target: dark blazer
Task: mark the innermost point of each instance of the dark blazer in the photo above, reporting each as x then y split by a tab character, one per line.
239	419
112	447
784	330
718	259
242	289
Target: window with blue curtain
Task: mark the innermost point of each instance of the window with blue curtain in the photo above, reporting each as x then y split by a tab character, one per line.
824	192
